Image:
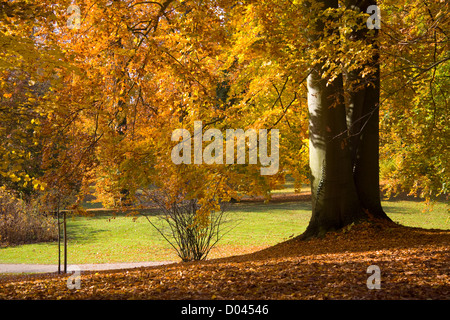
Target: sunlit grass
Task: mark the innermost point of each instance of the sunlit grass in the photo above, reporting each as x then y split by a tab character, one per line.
107	238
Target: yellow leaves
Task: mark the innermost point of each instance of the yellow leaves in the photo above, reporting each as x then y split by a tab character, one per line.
7	95
14	177
38	185
35	184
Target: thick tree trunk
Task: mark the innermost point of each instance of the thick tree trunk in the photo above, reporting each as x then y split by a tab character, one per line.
335	200
343	150
363	132
363	123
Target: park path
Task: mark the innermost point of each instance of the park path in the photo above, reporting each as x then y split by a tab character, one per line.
49	268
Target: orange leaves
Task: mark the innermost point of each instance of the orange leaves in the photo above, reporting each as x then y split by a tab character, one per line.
413	264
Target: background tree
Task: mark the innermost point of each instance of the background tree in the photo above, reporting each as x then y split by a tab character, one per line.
414	130
344	95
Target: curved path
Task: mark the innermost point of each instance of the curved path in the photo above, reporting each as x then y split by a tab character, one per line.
48	268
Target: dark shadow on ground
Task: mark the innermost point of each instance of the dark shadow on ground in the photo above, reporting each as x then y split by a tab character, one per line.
362	237
77	230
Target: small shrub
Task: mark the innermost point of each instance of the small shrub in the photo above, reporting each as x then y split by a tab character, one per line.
190	233
22	223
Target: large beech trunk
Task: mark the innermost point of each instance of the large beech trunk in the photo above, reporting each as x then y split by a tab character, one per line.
343	146
363	133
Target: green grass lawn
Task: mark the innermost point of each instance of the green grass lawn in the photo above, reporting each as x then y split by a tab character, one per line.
104	238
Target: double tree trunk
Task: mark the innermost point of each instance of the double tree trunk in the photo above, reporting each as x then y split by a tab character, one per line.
343	145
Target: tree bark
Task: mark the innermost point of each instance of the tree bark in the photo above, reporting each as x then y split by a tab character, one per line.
335	200
343	148
363	135
363	122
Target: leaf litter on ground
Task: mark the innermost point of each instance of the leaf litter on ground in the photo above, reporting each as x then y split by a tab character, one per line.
414	264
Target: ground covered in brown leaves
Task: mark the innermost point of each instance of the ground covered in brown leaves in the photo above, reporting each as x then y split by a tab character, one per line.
414	264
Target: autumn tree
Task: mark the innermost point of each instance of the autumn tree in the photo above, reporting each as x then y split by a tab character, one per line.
45	149
132	72
344	120
330	44
415	91
344	130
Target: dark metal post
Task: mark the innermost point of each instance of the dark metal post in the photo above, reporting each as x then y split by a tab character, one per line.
65	244
59	241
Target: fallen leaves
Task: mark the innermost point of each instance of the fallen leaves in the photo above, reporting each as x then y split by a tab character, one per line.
413	263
